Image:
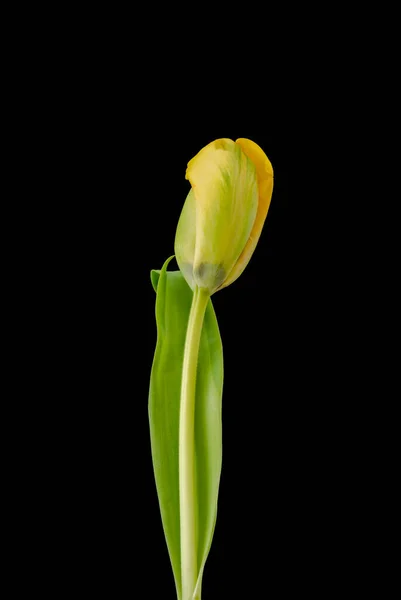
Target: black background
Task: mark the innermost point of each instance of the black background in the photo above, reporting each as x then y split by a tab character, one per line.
271	478
109	107
127	136
271	515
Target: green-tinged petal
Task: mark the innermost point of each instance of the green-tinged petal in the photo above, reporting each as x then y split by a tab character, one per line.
264	173
224	183
173	303
184	245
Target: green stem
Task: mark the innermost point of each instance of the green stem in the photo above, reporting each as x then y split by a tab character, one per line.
187	475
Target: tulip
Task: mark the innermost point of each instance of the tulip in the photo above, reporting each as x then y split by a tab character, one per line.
224	212
218	229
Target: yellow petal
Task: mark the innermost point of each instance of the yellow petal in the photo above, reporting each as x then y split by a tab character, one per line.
224	184
264	174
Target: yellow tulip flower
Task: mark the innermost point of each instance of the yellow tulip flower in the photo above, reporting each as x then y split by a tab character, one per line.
224	212
219	227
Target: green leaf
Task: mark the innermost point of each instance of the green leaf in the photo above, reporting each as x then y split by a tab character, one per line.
173	303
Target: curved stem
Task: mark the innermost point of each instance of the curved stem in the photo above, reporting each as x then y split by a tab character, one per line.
187	475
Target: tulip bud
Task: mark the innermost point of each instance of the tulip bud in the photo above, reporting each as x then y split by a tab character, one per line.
223	215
